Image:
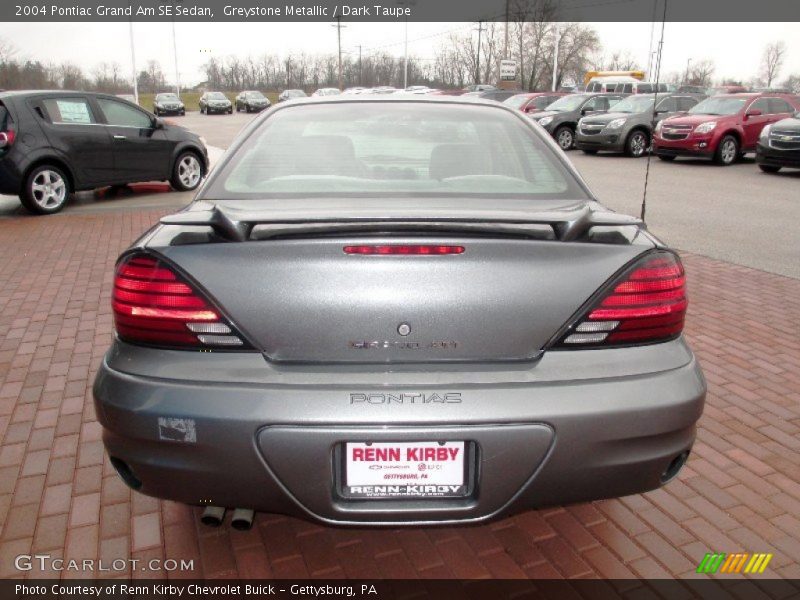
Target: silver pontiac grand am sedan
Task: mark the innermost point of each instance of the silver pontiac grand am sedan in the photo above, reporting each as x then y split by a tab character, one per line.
397	310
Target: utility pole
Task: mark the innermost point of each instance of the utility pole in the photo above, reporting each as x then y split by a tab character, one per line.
478	61
339	41
686	78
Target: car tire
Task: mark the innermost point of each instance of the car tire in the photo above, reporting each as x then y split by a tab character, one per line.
565	137
202	110
230	110
46	190
585	151
637	143
183	112
769	168
666	157
155	112
727	151
187	172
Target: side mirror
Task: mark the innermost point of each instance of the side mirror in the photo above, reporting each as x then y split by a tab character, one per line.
753	113
158	123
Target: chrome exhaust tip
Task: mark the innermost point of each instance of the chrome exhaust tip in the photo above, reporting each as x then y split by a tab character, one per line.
242	519
213	516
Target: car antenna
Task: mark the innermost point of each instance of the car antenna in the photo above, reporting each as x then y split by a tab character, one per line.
655	103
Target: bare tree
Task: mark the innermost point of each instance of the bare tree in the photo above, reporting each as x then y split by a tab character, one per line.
531	25
616	61
772	61
792	83
7	51
700	73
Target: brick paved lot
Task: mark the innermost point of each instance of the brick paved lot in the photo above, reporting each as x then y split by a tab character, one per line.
59	495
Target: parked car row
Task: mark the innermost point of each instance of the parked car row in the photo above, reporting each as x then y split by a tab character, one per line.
721	128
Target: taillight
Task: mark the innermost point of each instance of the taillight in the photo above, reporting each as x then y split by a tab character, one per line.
647	304
407	249
152	304
7	138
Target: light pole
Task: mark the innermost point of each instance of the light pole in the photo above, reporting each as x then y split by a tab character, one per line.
555	56
339	26
175	57
478	60
405	3
686	77
133	64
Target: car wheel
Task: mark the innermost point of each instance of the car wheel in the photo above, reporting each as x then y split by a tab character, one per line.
202	110
565	137
727	151
230	110
769	168
636	144
187	172
46	190
666	157
155	112
585	151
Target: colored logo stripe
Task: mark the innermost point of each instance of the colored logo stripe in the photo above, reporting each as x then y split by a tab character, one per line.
741	562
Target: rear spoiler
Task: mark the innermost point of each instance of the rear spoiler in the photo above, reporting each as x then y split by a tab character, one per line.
237	225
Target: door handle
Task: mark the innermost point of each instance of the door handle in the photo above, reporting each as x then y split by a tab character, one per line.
119	137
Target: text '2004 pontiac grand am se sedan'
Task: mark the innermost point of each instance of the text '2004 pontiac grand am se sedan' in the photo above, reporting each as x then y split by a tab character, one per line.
397	311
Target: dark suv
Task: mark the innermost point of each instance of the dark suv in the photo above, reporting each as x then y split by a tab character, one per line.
627	127
779	145
560	119
53	143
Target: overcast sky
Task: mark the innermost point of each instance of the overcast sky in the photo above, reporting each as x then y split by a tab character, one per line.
735	48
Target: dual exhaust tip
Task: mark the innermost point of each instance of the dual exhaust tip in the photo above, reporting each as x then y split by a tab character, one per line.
242	518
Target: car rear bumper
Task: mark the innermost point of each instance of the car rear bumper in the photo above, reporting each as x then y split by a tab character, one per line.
275	446
777	158
10	176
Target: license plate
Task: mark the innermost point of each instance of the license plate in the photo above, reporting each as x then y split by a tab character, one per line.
405	470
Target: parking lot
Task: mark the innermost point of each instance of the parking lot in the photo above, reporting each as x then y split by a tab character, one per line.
739	493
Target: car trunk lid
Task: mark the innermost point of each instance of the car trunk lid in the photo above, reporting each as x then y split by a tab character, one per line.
300	297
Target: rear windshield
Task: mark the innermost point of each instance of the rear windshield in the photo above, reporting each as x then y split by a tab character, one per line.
718	106
397	149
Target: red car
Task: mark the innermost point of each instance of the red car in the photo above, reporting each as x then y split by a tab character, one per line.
721	128
533	101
